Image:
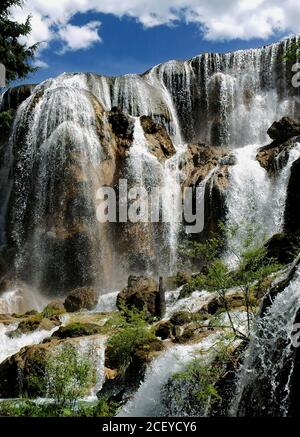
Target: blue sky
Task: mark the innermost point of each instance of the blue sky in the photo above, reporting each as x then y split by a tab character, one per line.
119	44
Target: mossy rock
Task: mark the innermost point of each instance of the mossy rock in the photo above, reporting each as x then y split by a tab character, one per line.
74	330
181	318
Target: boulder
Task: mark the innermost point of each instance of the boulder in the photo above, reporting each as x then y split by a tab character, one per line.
274	156
140	293
55	307
85	298
164	329
74	330
284	129
17	370
181	318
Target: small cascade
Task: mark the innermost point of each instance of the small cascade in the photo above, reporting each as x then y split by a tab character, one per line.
146	401
256	199
107	302
263	384
94	349
10	346
192	303
19	300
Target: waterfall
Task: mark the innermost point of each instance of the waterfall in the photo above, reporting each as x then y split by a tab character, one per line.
263	383
10	346
93	348
18	300
254	198
146	401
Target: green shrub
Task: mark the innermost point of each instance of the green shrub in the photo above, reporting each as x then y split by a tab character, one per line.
134	332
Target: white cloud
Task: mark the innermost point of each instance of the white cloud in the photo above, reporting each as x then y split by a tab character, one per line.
40	64
217	19
79	37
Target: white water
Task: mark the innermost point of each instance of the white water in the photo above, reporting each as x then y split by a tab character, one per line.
255	199
146	401
192	303
107	302
269	350
10	346
18	300
94	349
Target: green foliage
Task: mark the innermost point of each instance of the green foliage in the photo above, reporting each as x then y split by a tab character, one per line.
293	52
29	408
15	56
65	377
252	266
201	380
133	332
6	120
77	329
50	312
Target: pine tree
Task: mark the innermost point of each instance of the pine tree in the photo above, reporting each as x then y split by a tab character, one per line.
15	56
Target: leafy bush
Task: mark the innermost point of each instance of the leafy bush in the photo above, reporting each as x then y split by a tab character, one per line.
6	120
66	377
29	408
133	332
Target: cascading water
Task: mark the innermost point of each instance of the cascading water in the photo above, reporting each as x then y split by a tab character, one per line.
10	346
254	198
146	402
263	386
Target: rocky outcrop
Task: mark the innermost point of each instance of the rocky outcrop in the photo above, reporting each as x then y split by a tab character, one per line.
141	293
274	156
292	208
17	370
284	129
74	330
159	142
285	134
81	299
208	165
13	97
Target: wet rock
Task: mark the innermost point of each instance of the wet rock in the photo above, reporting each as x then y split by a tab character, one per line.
140	293
122	125
13	97
164	329
33	323
159	142
81	299
283	247
181	318
16	371
284	129
274	156
56	306
292	208
74	330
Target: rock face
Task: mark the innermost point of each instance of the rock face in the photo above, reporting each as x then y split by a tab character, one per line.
286	134
81	299
292	208
210	166
15	371
284	129
140	293
159	142
274	156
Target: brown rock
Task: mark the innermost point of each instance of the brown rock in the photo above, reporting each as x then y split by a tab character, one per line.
81	299
140	293
284	129
159	142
